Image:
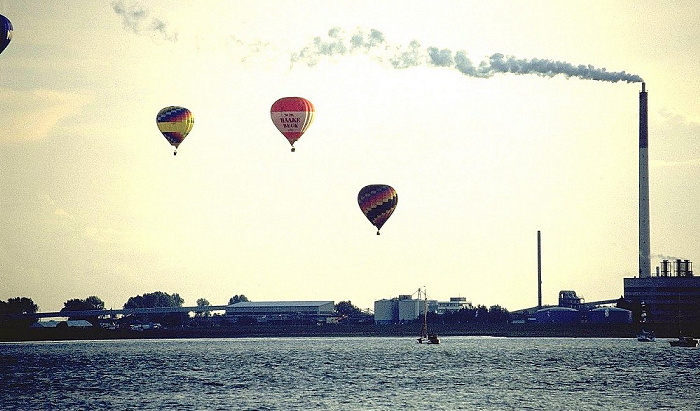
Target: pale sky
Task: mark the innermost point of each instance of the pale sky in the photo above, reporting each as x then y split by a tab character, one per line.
93	202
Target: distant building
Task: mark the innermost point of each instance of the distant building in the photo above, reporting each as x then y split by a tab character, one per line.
568	298
405	308
609	315
386	311
558	315
282	310
455	304
68	323
670	297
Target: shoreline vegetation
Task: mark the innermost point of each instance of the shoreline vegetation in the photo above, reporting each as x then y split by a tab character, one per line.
331	330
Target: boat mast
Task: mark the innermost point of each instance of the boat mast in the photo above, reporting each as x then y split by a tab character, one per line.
424	330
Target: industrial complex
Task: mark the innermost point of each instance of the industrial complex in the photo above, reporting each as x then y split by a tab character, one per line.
672	295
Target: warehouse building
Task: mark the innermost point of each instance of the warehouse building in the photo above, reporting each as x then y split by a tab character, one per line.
266	311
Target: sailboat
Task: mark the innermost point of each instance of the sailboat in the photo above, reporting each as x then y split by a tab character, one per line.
425	337
683	340
645	335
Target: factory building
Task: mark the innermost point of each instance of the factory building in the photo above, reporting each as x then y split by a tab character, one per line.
558	315
406	309
265	311
609	315
410	309
672	296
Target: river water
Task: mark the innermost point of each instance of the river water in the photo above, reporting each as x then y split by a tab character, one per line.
374	373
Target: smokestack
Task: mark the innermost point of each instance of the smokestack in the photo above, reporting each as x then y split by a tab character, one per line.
539	270
644	246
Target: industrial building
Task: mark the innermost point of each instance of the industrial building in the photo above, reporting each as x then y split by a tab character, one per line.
406	309
265	311
567	315
402	309
673	294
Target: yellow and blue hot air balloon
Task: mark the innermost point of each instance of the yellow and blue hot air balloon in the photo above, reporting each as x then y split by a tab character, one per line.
5	32
175	123
377	202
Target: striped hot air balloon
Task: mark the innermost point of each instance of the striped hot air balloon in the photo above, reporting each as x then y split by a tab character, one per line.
175	123
292	116
5	32
377	202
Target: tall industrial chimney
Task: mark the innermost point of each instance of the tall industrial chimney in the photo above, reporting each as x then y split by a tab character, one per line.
644	246
539	270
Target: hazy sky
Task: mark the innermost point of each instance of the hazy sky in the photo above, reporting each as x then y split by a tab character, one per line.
93	202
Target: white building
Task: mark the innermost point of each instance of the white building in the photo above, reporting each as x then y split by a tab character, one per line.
401	309
274	310
455	304
386	311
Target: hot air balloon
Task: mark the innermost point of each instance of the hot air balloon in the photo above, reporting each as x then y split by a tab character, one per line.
377	202
292	116
175	123
5	32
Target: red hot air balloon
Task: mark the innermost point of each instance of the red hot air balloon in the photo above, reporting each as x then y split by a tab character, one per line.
5	32
377	202
292	116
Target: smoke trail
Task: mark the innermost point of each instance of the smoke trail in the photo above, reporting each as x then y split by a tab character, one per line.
666	257
136	19
412	55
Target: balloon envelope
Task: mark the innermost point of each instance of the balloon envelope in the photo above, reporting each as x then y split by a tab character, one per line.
175	123
5	32
377	202
292	116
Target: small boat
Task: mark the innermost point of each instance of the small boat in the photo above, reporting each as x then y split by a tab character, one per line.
646	336
683	341
426	338
429	339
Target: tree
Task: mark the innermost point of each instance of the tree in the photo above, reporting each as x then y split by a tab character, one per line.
155	299
158	299
498	314
347	309
90	303
351	313
14	306
18	305
482	314
203	302
95	302
237	299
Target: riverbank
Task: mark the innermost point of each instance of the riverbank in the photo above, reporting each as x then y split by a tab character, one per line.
332	330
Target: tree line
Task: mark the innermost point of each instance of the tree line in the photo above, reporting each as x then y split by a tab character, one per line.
345	310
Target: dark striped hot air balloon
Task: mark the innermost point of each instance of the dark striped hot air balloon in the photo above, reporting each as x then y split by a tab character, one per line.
377	202
175	123
292	116
5	32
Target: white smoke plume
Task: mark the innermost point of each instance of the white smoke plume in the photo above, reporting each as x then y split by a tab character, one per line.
136	19
666	257
373	43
